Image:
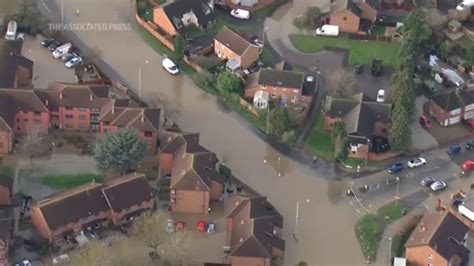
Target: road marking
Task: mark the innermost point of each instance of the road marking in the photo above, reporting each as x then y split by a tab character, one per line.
358	211
370	206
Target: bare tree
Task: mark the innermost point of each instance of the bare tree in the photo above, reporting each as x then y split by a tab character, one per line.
435	18
93	253
168	108
33	138
151	228
178	244
341	83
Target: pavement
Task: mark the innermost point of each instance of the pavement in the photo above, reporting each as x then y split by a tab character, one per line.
225	133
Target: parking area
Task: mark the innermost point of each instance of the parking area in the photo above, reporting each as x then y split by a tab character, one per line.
368	84
46	69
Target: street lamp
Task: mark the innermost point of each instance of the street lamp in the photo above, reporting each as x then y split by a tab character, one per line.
368	151
298	212
389	250
140	79
396	196
279	168
263	35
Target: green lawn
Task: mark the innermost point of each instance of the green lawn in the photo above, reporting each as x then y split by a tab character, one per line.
6	171
354	162
465	42
360	51
69	181
368	230
319	142
392	211
378	30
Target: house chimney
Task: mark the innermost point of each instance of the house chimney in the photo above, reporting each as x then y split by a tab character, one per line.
91	97
143	117
61	95
113	109
46	103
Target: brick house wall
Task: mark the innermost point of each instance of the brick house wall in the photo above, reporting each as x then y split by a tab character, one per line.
368	12
38	221
438	113
74	118
276	252
5	195
24	120
23	77
6	142
4	253
166	164
249	261
250	56
78	226
216	190
162	21
191	201
346	20
422	255
120	218
329	121
361	152
225	53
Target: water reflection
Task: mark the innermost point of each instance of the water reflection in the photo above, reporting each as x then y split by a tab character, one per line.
178	87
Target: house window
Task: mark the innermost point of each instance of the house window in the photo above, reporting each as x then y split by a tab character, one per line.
82	126
18	119
344	18
293	98
172	200
82	109
69	116
69	108
274	95
430	256
148	134
25	120
172	192
37	113
82	117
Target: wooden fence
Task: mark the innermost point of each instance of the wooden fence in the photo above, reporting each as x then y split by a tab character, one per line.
248	106
367	37
155	31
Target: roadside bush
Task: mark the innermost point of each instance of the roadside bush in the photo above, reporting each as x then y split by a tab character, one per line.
74	138
225	171
208	62
204	79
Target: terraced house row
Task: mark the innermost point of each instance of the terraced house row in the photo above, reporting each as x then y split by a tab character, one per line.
95	108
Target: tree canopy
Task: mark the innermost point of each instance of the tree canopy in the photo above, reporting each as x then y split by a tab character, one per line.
279	122
120	150
228	82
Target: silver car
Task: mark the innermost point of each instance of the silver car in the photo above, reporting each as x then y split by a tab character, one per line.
438	185
169	226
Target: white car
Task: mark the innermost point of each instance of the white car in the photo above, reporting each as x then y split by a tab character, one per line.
61	258
73	62
381	96
438	185
465	4
169	226
240	13
170	66
20	36
26	263
416	162
62	50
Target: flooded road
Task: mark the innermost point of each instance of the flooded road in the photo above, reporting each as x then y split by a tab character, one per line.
324	228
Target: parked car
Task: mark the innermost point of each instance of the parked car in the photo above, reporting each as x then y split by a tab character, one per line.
470	145
240	13
62	50
438	185
201	226
46	42
395	168
416	162
170	66
73	62
456	202
170	226
328	30
68	57
358	68
381	96
467	166
52	46
222	6
425	122
454	149
61	258
211	228
12	26
376	67
427	181
464	5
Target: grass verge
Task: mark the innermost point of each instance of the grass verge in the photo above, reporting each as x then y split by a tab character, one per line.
368	230
392	211
399	240
319	142
361	51
6	171
69	181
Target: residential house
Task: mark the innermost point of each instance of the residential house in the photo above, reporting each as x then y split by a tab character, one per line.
6	189
15	69
145	120
20	111
351	17
195	182
239	52
91	205
6	234
253	231
438	239
287	88
451	107
174	17
364	119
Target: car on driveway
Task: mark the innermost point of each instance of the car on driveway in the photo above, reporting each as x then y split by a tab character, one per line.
46	42
454	149
381	96
395	168
240	13
170	226
438	185
427	181
416	162
470	145
73	62
52	46
68	57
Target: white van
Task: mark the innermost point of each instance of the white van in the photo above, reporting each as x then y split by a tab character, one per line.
170	66
11	31
464	5
240	13
328	30
62	50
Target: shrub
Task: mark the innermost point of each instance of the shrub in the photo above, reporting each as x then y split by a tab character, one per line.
204	79
208	62
225	171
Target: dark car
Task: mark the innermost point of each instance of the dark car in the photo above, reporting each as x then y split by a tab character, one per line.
427	181
222	6
454	149
470	145
395	168
46	42
52	46
456	202
358	68
376	67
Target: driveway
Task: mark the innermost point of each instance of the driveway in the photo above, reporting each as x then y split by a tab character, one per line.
45	68
226	134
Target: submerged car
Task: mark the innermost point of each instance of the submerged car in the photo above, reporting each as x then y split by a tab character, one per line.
427	181
438	185
395	168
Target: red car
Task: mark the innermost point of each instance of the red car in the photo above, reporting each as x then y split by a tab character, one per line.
425	122
179	225
467	166
201	226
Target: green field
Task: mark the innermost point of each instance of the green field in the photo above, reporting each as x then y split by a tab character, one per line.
392	211
360	51
368	230
69	181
